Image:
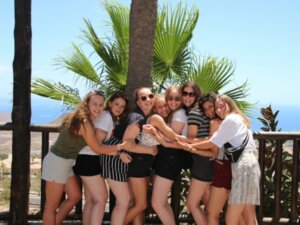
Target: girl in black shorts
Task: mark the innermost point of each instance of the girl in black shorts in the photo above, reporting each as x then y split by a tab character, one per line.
142	156
169	162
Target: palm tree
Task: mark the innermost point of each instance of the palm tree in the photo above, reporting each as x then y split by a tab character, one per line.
173	59
143	15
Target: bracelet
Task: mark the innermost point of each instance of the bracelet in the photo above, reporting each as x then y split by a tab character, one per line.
118	147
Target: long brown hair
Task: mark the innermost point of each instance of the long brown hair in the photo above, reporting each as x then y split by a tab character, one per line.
114	96
81	114
197	91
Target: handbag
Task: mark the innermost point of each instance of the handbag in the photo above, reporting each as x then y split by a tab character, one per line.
233	154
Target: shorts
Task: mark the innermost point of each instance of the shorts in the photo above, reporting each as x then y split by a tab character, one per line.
203	169
223	176
87	165
168	163
140	165
113	168
57	169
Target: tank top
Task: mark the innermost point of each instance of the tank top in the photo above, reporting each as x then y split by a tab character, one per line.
67	146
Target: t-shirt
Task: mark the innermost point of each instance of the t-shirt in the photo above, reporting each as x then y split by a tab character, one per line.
198	118
232	130
103	122
180	116
66	145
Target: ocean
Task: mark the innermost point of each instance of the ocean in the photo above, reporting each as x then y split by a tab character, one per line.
46	110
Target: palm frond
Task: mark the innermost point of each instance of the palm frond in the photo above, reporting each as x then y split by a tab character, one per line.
76	61
57	91
212	74
174	29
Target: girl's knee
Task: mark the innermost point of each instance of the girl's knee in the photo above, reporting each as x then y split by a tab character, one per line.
75	197
123	203
191	205
141	206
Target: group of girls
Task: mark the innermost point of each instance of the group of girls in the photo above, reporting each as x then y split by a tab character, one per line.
167	133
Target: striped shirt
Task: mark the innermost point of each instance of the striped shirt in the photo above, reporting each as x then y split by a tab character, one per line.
198	118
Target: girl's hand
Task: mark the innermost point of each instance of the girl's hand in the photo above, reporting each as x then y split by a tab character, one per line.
160	138
126	158
148	128
127	145
185	146
153	150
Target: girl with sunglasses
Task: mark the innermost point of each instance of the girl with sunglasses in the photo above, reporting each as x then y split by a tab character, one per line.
142	156
169	162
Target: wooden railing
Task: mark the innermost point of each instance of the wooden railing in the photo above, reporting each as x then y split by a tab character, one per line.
271	149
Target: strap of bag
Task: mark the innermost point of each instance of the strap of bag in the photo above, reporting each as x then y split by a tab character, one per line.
243	145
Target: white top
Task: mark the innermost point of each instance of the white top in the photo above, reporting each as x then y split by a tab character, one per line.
232	130
180	116
103	122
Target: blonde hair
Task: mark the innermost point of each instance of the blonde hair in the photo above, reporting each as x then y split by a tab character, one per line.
81	114
233	108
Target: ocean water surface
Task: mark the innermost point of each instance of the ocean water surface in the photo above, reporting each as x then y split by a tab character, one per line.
46	110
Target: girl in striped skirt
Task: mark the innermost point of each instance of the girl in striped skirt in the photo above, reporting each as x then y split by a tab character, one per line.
110	129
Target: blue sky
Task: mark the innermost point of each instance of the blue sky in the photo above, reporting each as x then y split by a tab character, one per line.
261	37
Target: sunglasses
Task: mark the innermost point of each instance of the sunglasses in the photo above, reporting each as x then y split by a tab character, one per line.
98	92
190	94
144	98
176	98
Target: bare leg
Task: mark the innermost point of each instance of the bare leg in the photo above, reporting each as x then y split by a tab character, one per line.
73	193
87	206
196	192
233	213
161	189
249	215
97	189
216	202
122	193
54	192
139	187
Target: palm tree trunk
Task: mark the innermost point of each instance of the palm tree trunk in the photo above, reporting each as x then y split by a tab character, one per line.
143	16
21	114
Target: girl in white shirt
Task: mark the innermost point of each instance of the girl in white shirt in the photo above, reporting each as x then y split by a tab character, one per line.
245	193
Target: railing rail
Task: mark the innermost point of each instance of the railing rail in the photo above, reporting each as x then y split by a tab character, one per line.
265	140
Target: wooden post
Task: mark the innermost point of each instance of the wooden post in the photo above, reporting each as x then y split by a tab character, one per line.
21	114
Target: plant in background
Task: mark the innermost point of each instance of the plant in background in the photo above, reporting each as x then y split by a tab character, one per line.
105	67
270	123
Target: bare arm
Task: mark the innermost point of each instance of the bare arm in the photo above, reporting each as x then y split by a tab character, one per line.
158	122
101	136
131	132
206	147
88	133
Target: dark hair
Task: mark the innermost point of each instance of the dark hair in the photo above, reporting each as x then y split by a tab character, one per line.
209	97
197	91
136	93
114	96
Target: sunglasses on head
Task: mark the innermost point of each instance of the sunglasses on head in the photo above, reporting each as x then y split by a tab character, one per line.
190	94
144	98
176	98
98	92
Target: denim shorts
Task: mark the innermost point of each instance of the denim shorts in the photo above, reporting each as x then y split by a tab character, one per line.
57	169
